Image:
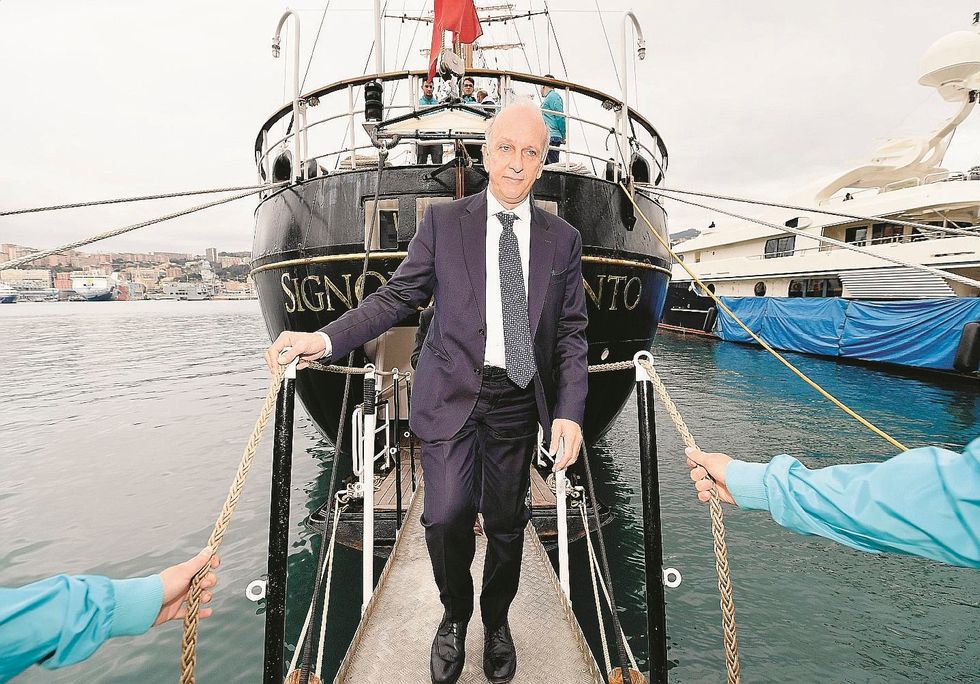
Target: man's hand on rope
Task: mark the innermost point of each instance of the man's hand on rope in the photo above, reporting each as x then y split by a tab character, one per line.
307	346
571	432
704	465
177	583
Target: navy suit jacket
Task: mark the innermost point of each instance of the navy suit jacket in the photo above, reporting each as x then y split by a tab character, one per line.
447	260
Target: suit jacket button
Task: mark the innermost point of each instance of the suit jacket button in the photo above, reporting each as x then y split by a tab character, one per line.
476	370
482	332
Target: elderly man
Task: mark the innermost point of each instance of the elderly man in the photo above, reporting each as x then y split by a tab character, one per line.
506	350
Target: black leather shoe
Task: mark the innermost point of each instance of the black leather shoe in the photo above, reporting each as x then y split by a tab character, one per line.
499	654
448	652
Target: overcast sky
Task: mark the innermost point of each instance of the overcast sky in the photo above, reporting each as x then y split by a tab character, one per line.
107	99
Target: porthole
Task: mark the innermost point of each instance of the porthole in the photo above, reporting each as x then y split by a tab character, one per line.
760	289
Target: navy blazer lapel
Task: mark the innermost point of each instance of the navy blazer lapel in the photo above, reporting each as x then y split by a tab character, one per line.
473	242
539	265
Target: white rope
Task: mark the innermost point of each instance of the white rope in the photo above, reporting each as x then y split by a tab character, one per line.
594	562
328	564
34	256
326	592
828	212
830	241
607	662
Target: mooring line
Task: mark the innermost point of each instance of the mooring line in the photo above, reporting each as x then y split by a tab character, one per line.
765	345
34	256
123	200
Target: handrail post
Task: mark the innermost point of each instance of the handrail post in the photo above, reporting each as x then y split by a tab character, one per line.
561	492
275	601
653	551
624	114
397	449
367	484
297	122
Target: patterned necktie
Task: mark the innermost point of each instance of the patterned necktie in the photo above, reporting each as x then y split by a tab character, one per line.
513	299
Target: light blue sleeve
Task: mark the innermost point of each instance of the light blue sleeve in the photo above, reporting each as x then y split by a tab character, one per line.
556	122
924	502
63	620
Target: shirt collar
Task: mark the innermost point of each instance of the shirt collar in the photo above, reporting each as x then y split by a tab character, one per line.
522	210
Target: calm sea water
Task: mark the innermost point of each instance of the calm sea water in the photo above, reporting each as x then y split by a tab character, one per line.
122	424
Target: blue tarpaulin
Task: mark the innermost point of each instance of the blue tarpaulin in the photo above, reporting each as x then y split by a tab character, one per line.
922	333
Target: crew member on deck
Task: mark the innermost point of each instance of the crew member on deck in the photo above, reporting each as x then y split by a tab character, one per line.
433	151
552	102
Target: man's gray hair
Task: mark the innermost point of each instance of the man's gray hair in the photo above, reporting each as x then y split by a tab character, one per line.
527	104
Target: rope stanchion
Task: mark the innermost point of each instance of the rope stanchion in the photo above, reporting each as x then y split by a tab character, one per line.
34	256
188	654
729	627
765	345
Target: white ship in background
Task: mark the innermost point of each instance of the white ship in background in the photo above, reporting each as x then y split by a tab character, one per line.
99	287
903	181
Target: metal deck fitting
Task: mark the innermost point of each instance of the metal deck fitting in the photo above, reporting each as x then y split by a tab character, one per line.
393	640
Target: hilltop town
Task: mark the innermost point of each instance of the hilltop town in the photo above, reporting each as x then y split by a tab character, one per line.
128	275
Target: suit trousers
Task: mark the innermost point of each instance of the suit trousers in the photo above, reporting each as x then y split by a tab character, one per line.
485	466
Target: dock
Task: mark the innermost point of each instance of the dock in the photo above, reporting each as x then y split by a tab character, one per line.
393	640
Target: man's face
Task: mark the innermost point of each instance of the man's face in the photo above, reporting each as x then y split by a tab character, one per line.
467	88
427	89
514	155
545	90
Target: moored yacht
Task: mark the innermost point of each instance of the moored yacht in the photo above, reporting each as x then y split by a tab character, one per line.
860	282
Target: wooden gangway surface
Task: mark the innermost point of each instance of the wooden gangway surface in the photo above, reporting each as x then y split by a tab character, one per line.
393	640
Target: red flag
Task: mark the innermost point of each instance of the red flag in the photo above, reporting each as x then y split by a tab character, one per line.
458	16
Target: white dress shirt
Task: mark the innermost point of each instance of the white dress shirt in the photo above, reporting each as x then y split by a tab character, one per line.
495	355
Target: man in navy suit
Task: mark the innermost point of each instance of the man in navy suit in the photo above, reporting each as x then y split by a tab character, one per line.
506	350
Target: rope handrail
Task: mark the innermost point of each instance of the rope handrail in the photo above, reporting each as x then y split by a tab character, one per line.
188	652
34	256
719	544
123	200
765	345
824	239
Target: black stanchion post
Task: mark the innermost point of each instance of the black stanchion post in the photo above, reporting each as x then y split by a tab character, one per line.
275	595
653	550
396	388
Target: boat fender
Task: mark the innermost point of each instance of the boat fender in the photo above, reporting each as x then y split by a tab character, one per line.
967	358
373	101
710	318
282	167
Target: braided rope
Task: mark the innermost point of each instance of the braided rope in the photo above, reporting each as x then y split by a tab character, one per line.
717	534
188	653
34	256
352	370
765	345
122	200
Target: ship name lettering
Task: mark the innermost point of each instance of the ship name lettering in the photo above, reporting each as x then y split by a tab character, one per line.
321	293
628	295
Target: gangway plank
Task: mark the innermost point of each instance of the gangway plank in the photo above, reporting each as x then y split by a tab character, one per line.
392	642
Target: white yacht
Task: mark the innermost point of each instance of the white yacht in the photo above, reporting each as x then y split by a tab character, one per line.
8	295
931	268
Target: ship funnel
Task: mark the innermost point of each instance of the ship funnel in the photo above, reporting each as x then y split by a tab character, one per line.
952	65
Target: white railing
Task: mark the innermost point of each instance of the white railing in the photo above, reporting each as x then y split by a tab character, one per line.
344	119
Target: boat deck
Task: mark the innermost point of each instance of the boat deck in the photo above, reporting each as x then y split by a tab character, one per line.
393	640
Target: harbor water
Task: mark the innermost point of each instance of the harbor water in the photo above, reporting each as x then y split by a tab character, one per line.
122	424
